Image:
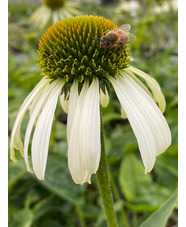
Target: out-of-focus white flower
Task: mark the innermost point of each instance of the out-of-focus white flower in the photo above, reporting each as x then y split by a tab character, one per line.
52	11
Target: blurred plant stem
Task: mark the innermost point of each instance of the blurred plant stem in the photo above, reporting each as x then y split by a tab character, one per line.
104	185
117	197
80	215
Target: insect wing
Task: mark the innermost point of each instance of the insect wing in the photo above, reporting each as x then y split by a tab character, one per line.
132	38
125	27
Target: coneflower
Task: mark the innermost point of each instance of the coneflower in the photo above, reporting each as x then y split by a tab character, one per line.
80	72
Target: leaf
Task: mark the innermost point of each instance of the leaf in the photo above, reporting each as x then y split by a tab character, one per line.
50	205
111	117
22	218
15	172
131	176
159	218
169	160
59	181
138	188
121	137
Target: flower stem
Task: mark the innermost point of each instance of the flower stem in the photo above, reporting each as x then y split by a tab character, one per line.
104	186
117	197
80	215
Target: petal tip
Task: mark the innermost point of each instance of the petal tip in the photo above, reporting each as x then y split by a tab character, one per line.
14	159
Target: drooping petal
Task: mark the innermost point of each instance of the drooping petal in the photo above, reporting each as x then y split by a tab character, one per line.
84	134
41	16
44	17
148	123
123	114
40	142
71	7
16	141
39	104
89	130
135	79
72	107
55	17
104	98
35	101
154	86
77	170
61	14
65	13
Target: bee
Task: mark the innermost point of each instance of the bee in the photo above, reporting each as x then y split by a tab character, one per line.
117	36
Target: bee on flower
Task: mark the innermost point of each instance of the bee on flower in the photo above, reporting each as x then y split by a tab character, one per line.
79	70
117	36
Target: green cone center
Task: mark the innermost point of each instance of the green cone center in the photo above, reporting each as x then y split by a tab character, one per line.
54	4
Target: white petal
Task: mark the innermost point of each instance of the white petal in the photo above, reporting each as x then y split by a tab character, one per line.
16	141
40	142
35	101
149	125
135	79
77	170
41	16
71	7
84	133
61	14
64	103
89	130
41	101
72	107
154	86
55	17
104	98
64	13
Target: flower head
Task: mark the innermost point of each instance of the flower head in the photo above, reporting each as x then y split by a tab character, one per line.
80	71
71	50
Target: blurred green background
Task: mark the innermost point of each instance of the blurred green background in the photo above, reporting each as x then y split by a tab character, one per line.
58	201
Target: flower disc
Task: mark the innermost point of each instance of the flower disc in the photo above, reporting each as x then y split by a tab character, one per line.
54	4
70	49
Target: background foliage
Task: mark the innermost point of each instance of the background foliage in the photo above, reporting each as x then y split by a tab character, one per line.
58	201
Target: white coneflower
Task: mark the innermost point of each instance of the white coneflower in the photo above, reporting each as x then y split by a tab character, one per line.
77	69
52	11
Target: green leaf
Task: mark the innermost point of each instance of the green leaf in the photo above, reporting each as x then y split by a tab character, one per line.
121	137
131	176
22	218
59	181
111	117
138	188
15	172
169	160
159	218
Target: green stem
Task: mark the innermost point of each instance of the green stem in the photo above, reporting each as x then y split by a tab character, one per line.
104	187
80	215
117	197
